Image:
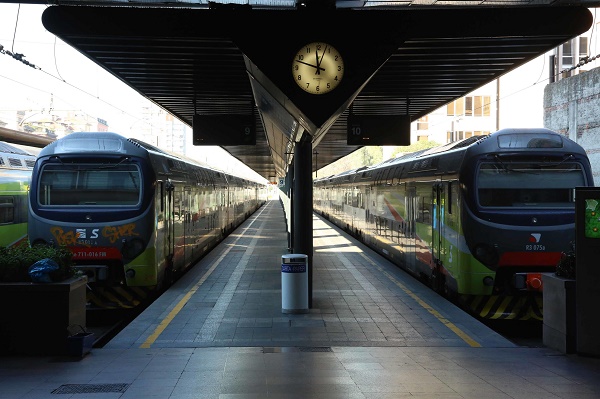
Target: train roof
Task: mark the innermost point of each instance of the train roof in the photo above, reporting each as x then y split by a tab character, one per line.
110	143
12	157
517	139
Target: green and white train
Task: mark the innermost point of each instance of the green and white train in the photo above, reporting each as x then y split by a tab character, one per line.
134	216
478	219
15	176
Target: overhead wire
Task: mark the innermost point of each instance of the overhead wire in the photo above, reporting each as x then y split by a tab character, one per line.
43	91
55	63
21	58
16	24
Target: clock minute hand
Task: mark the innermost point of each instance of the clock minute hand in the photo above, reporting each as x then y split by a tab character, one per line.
318	72
318	68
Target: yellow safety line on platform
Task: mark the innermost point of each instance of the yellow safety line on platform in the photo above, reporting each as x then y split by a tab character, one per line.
167	320
463	335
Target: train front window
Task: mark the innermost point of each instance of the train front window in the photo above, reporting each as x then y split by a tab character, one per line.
523	185
89	185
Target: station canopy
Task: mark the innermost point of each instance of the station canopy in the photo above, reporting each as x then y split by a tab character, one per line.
227	63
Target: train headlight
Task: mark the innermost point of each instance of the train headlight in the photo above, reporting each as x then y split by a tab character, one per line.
132	248
486	254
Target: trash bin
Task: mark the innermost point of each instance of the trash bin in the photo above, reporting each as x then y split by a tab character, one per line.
294	283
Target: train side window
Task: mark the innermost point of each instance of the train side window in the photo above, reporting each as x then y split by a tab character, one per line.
7	210
449	206
388	176
162	196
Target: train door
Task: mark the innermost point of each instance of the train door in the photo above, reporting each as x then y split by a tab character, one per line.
450	241
409	243
188	235
178	228
437	234
225	207
169	242
367	202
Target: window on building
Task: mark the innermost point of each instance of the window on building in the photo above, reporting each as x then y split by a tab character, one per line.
583	47
567	58
469	106
423	123
486	105
459	108
478	106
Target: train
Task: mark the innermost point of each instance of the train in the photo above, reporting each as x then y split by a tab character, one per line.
134	217
478	220
16	166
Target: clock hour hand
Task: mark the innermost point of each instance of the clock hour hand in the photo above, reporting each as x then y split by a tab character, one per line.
322	55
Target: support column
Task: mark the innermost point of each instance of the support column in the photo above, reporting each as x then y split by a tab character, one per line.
302	207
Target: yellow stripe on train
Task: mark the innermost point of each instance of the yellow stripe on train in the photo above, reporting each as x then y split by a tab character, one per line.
504	307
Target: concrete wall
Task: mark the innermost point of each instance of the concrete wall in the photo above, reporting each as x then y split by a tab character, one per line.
572	108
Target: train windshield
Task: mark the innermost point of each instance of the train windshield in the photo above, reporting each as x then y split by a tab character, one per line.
519	184
89	185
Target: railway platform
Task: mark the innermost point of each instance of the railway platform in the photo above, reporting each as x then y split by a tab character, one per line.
372	332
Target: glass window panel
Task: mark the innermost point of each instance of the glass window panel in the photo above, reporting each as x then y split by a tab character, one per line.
90	184
478	106
460	106
529	184
528	140
567	54
7	210
583	47
486	105
469	106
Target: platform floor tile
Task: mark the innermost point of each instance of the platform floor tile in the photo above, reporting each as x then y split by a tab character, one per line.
233	297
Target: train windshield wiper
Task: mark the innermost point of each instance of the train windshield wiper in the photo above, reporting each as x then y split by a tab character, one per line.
510	170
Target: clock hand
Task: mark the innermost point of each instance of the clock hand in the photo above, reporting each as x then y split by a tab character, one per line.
318	68
318	72
322	55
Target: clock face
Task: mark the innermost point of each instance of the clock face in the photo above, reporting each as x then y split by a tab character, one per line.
318	68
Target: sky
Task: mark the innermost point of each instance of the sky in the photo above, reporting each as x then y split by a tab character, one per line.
67	80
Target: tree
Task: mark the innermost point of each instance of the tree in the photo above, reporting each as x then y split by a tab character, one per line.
369	156
418	146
